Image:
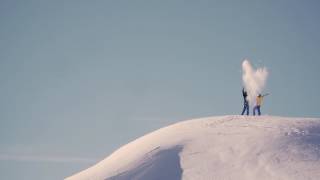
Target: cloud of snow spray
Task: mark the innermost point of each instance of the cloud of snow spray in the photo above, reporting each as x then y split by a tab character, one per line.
253	80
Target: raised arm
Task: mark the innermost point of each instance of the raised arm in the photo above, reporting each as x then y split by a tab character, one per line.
266	94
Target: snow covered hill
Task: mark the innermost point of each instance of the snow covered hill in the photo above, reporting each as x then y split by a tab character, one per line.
227	147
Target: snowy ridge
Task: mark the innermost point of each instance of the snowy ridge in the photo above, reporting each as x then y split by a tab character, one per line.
226	147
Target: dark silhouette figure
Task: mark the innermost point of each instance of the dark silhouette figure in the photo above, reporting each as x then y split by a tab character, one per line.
245	102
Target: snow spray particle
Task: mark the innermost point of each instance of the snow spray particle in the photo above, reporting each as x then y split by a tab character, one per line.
253	80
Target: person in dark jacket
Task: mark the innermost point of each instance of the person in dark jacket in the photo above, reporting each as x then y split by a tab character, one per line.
245	102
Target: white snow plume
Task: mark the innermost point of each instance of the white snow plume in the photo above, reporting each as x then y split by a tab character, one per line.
254	81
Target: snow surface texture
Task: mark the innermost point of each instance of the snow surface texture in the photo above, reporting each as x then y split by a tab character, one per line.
227	147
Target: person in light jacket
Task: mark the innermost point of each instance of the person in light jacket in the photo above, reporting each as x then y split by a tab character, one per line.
259	100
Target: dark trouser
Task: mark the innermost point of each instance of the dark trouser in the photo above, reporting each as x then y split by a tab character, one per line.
256	108
245	107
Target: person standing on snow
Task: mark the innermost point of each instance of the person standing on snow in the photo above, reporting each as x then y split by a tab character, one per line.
245	102
259	100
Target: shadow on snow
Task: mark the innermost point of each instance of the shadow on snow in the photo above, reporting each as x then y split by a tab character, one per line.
163	164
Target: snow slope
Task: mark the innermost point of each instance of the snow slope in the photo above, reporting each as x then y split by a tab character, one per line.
227	147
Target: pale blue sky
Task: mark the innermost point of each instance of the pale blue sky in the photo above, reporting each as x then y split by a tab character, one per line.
81	78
